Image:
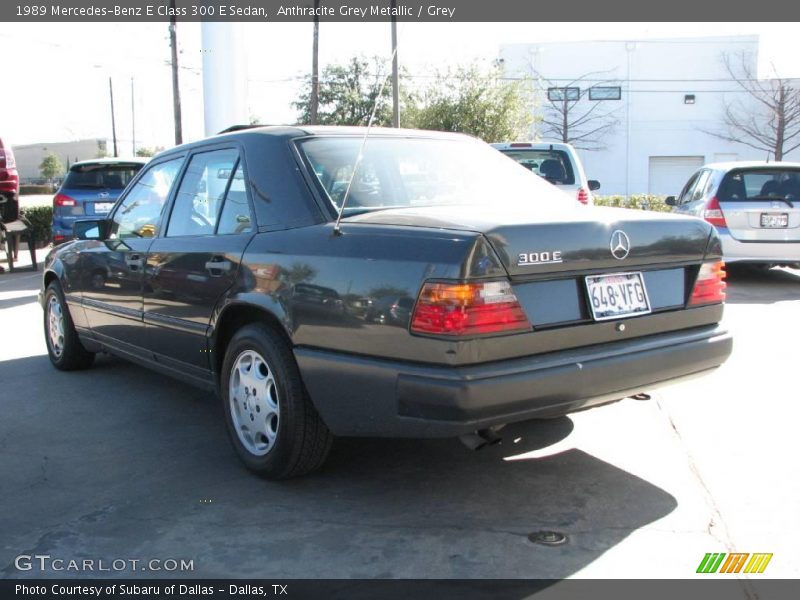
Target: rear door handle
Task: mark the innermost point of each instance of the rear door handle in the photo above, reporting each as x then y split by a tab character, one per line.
134	261
218	265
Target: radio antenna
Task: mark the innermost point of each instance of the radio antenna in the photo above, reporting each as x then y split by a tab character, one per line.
337	228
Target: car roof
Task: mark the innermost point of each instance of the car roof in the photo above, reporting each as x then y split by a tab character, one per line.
295	131
533	146
110	161
750	164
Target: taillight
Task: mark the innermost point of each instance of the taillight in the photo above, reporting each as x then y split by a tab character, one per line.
7	160
710	285
64	200
713	213
583	196
462	309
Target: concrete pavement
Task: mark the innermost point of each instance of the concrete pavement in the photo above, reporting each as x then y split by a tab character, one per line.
121	463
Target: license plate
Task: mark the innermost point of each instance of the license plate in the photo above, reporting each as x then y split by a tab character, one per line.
103	207
617	295
774	220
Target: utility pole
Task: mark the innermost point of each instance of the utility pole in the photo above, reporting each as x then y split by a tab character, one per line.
314	108
113	121
176	93
133	119
395	72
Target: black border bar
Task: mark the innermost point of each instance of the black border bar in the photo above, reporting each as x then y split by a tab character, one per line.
407	10
706	588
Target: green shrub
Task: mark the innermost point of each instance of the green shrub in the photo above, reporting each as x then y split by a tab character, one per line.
41	220
638	201
25	190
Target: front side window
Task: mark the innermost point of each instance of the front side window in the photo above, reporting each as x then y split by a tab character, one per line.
201	193
700	187
686	193
140	211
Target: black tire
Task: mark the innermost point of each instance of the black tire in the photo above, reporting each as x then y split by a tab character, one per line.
302	441
68	355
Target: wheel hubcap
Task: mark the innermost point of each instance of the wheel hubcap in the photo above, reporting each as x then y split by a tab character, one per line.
55	326
254	405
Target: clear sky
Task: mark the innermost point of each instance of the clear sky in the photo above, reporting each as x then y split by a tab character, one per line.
55	75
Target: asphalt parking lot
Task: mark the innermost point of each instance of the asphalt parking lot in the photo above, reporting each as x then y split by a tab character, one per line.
122	463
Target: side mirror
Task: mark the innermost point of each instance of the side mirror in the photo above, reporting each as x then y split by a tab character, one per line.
670	201
593	185
89	229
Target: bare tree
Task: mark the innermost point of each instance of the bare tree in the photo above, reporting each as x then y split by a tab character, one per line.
572	117
766	116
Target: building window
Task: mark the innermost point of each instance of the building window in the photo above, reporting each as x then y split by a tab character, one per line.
605	92
559	94
688	99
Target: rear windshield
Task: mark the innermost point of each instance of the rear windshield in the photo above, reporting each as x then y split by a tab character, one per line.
552	165
114	177
760	184
398	172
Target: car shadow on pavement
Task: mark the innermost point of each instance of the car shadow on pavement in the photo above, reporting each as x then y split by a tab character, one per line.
120	462
761	286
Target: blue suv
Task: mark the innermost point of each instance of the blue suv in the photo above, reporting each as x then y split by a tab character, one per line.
90	189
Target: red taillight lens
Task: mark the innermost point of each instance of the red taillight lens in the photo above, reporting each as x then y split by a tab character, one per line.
463	309
713	213
520	145
64	200
710	285
583	196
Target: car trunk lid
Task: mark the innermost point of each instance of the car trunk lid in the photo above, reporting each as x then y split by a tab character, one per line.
541	241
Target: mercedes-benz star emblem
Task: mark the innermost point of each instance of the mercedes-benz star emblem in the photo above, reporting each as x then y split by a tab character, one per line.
620	244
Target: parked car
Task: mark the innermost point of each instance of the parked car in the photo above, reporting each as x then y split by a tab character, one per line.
9	184
755	207
523	305
558	163
90	188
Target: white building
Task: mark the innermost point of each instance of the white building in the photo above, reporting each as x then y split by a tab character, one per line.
30	156
671	92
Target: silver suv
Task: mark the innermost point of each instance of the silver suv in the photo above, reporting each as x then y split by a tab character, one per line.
556	162
755	207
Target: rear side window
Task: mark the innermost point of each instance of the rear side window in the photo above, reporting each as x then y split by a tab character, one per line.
201	193
112	177
140	211
760	184
553	165
236	216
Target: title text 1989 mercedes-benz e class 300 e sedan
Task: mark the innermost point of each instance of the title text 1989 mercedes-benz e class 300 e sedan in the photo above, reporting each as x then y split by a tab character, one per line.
458	292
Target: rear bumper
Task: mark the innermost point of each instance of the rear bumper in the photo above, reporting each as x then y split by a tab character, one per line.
734	250
372	397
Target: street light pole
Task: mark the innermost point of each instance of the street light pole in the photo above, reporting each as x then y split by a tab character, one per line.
113	121
314	104
176	92
133	119
395	72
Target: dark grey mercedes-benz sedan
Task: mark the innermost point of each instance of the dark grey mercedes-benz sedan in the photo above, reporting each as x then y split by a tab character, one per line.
401	283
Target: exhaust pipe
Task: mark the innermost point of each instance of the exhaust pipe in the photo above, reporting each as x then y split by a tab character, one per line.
475	440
